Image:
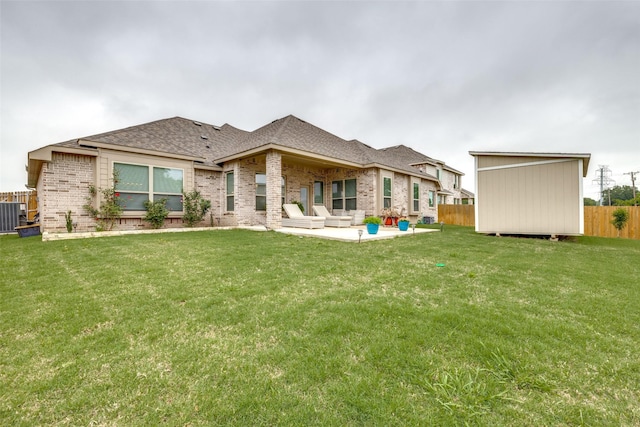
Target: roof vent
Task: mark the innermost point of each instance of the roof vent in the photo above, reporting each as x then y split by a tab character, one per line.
208	146
215	127
204	137
197	123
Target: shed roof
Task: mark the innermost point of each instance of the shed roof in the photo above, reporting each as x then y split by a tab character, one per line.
584	156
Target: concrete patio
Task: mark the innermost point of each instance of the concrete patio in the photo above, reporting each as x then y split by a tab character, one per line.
352	234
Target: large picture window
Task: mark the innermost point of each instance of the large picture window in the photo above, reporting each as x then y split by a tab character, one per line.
138	183
344	194
230	193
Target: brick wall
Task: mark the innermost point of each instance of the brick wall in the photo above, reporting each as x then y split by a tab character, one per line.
63	186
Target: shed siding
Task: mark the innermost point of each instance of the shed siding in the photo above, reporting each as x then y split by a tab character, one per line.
529	199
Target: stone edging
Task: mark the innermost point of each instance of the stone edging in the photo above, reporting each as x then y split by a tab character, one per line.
49	237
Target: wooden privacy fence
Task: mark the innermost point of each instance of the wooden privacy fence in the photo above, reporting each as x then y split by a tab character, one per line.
457	214
28	198
597	219
597	222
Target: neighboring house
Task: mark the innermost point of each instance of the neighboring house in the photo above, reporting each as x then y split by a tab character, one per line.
468	198
246	175
530	193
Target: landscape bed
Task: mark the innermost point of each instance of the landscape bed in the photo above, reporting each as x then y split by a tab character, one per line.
260	328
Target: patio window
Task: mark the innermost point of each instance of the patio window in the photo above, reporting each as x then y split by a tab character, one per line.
261	191
386	195
416	197
431	198
230	192
139	183
318	193
344	194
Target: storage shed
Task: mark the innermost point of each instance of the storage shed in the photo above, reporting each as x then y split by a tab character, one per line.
530	193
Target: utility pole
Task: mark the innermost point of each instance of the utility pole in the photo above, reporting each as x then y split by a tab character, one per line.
603	179
633	185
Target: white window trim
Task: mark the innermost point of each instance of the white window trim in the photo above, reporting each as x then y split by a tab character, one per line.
413	181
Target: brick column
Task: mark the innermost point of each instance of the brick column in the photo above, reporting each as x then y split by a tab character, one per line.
274	190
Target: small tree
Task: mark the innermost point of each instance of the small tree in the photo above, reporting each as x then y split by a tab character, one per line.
195	207
156	212
620	218
109	210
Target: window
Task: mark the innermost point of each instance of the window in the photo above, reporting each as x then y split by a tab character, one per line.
261	192
230	192
350	192
139	183
344	194
456	181
416	197
386	189
337	195
438	174
318	193
431	196
283	191
167	184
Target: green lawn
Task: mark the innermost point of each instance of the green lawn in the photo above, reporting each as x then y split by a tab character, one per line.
259	328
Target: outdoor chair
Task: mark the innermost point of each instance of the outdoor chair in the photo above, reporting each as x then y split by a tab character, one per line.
299	220
330	220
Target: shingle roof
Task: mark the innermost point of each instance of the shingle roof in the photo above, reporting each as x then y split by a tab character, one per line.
291	132
210	143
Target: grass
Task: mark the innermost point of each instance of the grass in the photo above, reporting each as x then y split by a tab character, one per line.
258	328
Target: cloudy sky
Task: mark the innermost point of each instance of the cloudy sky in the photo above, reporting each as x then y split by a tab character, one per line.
443	77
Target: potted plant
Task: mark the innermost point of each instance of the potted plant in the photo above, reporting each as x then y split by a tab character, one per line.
390	216
373	224
403	224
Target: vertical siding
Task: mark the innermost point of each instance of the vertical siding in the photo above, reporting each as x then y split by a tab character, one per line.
532	199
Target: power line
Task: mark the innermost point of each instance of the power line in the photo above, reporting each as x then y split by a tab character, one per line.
603	179
633	185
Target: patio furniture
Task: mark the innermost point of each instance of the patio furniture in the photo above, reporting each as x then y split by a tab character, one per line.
357	215
330	220
298	219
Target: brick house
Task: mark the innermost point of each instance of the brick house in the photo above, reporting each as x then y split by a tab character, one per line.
247	175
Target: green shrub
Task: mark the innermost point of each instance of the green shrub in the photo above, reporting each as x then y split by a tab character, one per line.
68	221
156	212
195	207
372	220
110	209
